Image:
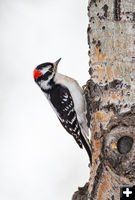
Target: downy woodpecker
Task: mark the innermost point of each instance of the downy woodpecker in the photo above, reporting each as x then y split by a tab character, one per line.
67	100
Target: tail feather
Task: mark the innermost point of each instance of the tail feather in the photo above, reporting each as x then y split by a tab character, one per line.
87	146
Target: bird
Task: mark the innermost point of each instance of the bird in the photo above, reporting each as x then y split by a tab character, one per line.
67	99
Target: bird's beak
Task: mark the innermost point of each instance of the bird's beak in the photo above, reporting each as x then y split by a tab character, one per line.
56	64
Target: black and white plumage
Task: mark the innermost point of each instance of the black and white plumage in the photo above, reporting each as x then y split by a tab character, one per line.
67	100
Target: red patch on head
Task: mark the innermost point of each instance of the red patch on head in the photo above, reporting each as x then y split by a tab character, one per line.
37	73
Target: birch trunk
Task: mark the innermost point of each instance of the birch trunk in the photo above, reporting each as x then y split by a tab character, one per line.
111	96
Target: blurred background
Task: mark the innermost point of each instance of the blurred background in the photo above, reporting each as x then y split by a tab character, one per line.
38	159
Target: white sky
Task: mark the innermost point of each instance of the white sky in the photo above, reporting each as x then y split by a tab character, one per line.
38	159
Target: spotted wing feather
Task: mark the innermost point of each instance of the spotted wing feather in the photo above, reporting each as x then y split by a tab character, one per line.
64	106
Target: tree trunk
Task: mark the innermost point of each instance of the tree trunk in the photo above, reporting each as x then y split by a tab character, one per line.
111	97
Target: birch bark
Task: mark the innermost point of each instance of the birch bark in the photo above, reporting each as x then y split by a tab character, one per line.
111	97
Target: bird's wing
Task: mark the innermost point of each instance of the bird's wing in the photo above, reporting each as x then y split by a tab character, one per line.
64	106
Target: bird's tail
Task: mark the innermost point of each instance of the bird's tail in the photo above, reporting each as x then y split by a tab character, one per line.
87	146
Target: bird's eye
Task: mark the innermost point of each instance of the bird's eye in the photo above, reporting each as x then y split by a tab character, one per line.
51	69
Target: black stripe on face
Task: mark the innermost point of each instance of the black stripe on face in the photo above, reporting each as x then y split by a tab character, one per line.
44	76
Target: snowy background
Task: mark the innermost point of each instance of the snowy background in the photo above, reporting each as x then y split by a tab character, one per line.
38	159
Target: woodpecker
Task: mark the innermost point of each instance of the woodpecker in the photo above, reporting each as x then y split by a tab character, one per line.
67	100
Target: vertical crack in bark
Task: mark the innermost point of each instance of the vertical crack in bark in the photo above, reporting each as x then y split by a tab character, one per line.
96	182
117	10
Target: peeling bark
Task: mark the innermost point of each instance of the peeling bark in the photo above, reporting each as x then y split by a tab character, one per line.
111	96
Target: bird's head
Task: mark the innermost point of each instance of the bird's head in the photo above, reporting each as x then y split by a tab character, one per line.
45	72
